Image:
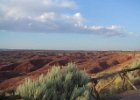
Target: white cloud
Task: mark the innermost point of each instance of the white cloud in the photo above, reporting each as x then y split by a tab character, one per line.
23	8
49	16
46	17
75	19
62	3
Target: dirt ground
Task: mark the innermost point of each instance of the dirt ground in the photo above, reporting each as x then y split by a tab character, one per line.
134	95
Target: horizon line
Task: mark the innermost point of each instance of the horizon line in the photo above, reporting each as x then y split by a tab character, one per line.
9	49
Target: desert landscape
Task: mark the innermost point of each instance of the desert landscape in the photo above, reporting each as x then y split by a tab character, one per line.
69	50
17	65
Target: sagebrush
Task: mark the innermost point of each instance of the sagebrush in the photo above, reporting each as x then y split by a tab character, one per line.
68	83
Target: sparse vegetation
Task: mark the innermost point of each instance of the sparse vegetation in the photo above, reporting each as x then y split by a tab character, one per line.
117	86
67	82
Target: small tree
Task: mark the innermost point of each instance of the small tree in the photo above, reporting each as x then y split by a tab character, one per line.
68	83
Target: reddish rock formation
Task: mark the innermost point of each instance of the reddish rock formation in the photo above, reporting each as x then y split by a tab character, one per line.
33	63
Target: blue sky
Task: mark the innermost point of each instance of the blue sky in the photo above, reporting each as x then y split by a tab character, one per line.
70	25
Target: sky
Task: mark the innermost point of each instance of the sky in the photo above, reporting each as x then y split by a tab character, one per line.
70	24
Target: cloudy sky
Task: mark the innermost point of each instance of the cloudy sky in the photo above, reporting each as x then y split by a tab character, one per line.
70	24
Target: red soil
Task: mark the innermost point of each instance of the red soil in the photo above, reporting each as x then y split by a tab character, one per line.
32	64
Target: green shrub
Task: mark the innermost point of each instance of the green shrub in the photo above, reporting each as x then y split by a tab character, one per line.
68	83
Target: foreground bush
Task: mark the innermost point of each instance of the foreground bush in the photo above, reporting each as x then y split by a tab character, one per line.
67	84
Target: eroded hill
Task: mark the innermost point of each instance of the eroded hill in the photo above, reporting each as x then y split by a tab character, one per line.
15	66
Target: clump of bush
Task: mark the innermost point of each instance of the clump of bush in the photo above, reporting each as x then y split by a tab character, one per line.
68	83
